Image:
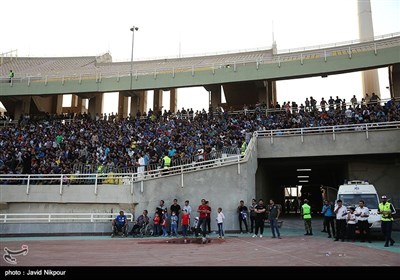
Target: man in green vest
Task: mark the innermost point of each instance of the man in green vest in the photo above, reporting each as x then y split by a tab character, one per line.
166	162
387	210
11	76
243	148
306	214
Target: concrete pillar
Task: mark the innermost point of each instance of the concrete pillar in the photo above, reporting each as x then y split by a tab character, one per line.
134	105
74	100
57	104
370	82
122	105
157	102
263	93
370	78
267	94
216	99
173	100
22	106
394	80
79	106
142	101
96	105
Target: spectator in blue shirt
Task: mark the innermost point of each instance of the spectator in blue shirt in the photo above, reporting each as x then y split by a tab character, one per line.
329	217
120	224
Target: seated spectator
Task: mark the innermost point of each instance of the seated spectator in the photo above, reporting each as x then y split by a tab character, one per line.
141	221
120	225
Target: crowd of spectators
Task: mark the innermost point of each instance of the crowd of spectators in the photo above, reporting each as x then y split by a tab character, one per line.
57	144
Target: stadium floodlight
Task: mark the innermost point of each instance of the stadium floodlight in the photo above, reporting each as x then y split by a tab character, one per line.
133	29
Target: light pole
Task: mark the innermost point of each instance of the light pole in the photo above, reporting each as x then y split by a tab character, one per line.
133	29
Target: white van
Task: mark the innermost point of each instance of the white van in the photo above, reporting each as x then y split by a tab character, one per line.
354	191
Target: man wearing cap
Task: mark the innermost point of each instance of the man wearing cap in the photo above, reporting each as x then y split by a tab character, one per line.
387	210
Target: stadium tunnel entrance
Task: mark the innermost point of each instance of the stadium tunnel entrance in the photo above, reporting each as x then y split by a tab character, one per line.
290	180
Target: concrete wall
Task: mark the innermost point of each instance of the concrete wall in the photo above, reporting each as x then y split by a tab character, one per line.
349	143
221	186
40	229
383	174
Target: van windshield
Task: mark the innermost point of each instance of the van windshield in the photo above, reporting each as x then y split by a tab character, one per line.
371	200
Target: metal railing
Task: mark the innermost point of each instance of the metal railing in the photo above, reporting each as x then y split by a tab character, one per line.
66	180
334	130
96	179
130	178
321	51
61	217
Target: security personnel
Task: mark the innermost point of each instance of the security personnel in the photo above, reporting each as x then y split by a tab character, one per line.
11	75
387	210
166	162
306	214
243	148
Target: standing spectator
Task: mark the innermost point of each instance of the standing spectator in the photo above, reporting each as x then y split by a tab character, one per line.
175	207
362	214
341	213
185	222
323	104
387	210
220	222
367	98
338	102
295	205
329	217
260	210
11	76
164	223
253	214
188	209
174	224
157	225
208	218
203	213
273	216
331	103
160	208
306	214
287	206
353	101
374	99
141	165
351	224
242	216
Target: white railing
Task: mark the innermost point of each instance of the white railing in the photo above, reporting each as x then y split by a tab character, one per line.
337	129
65	180
60	217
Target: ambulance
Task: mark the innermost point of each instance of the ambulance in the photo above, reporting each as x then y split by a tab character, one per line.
353	191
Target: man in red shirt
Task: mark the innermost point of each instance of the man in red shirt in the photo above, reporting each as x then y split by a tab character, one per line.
203	211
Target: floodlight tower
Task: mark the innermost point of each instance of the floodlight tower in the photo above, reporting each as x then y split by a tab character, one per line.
370	78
